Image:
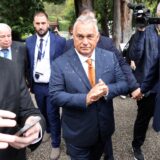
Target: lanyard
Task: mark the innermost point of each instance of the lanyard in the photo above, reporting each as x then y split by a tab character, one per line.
43	49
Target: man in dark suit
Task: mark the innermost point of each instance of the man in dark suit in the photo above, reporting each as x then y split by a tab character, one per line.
42	48
150	51
143	49
108	44
87	115
14	97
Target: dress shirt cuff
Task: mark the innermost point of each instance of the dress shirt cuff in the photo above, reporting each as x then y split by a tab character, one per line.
106	95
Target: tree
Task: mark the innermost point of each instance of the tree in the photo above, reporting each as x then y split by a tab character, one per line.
117	23
79	4
104	13
18	14
55	1
126	21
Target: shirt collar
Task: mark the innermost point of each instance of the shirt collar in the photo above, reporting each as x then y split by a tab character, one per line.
83	58
9	48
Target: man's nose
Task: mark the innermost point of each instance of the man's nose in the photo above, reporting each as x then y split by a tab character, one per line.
40	25
85	40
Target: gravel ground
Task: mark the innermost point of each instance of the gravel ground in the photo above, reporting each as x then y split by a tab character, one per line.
125	112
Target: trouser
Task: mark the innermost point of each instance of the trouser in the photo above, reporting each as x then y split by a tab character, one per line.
156	120
144	114
93	152
108	150
51	113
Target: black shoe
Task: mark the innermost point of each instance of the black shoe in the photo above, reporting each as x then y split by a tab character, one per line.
138	155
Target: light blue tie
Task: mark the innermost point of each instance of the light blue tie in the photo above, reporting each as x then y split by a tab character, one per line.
5	53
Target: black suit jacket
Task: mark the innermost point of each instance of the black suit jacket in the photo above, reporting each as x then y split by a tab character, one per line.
14	96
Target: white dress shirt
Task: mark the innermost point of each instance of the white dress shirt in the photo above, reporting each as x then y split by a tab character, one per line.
42	67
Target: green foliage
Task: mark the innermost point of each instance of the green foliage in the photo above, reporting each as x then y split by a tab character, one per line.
69	12
18	14
63	25
104	10
64	13
151	5
55	1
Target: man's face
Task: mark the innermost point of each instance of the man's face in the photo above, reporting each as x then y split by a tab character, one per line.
85	38
5	38
41	25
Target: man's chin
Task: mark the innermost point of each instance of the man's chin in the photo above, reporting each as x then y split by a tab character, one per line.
86	52
41	34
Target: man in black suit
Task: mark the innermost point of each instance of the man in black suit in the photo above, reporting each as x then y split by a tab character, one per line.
14	97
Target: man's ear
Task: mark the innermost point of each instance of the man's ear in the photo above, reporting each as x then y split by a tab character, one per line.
98	36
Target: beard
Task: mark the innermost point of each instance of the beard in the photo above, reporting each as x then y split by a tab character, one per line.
41	32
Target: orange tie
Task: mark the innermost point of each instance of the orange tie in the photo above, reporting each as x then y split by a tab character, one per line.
91	72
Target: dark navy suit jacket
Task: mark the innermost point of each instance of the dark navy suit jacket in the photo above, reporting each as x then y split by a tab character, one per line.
57	45
69	87
107	44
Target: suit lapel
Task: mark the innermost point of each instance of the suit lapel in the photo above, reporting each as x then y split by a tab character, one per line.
32	49
77	66
100	64
52	46
14	52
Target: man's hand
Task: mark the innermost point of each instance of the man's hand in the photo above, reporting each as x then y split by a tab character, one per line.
6	120
98	91
29	136
136	94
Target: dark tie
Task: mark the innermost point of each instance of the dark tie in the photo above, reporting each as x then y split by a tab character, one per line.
40	49
91	72
5	52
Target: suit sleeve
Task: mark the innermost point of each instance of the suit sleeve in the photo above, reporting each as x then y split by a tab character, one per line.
151	77
132	82
120	85
137	46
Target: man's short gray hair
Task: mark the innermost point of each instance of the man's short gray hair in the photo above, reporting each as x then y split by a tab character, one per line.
86	19
4	26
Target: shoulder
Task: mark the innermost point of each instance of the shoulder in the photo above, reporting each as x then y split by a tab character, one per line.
30	38
65	56
105	42
104	52
56	37
105	56
17	43
106	39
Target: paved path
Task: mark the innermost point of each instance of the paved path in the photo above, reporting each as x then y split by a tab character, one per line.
125	112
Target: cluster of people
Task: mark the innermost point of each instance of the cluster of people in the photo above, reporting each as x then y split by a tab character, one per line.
82	76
